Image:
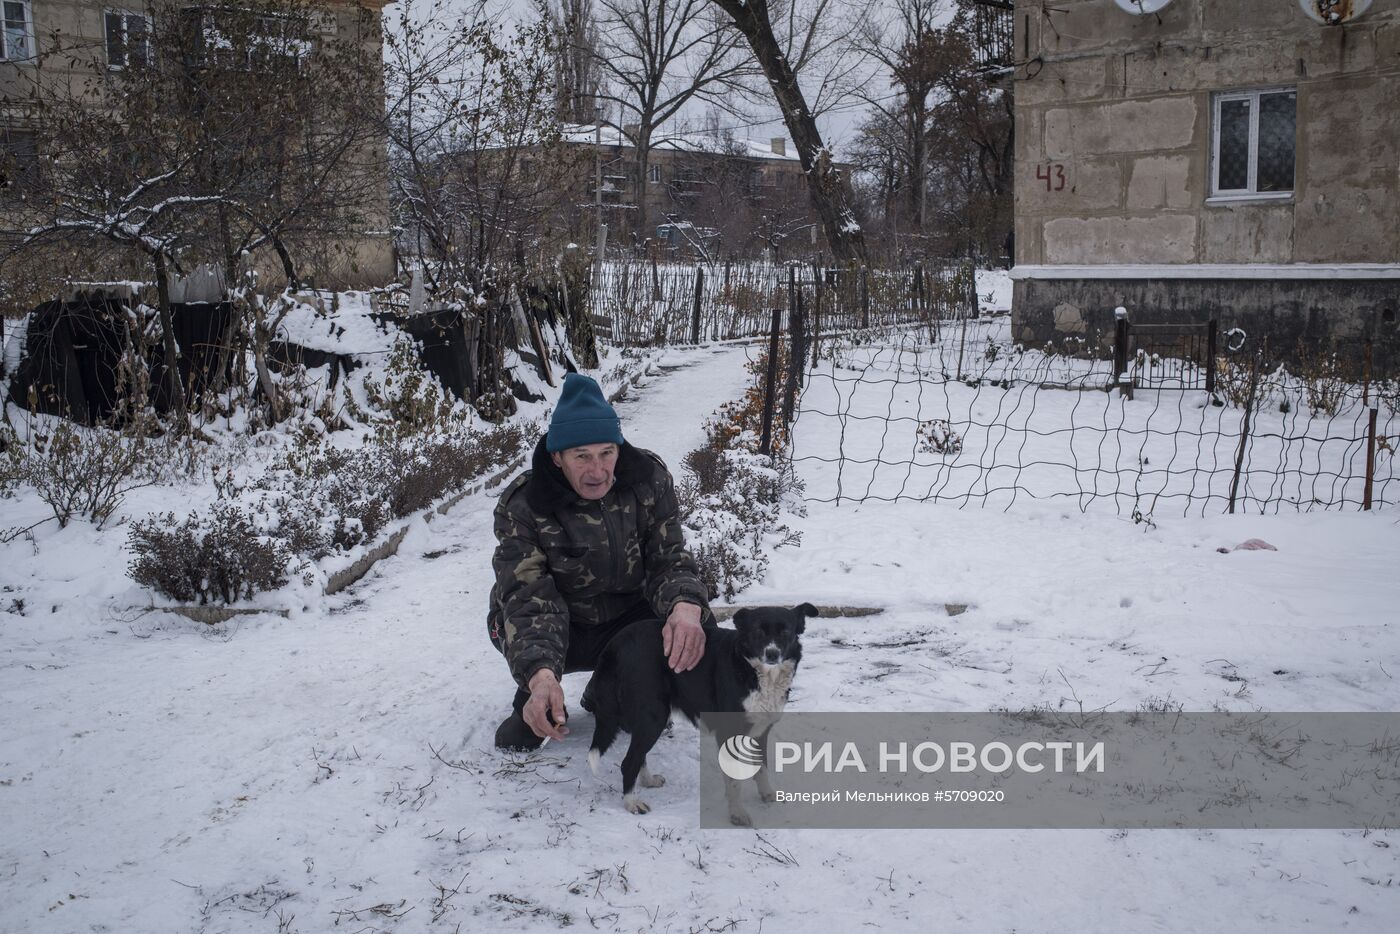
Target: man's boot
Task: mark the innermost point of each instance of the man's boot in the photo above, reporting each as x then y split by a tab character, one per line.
514	734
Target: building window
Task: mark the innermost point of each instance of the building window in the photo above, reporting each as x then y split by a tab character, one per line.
654	174
18	43
128	38
1254	143
232	37
18	158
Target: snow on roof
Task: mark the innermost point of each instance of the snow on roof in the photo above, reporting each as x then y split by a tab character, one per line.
687	142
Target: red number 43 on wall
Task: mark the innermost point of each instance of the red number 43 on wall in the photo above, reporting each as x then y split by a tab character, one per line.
1052	174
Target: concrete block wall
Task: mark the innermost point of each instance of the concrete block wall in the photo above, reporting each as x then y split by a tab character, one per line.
1119	106
1114	143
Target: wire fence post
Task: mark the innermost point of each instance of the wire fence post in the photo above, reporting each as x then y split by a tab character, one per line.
1244	430
1212	334
864	286
765	444
1366	376
1369	488
1121	378
962	344
816	311
795	350
695	311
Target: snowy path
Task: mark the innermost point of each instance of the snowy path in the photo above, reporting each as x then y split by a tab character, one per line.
160	776
285	775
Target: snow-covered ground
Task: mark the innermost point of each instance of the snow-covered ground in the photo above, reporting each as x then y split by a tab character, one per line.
335	772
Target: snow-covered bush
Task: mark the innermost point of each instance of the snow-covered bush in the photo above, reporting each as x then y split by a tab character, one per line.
10	462
936	436
83	472
731	500
409	400
1323	379
1233	379
322	499
219	556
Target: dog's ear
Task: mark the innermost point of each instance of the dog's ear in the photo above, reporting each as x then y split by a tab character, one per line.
803	610
741	618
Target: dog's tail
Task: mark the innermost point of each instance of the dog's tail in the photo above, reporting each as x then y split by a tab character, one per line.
586	701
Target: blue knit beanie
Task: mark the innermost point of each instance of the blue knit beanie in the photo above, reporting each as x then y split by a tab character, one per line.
582	417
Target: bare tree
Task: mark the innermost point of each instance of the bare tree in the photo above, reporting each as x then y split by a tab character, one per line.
225	135
806	40
657	57
906	43
936	152
478	170
573	30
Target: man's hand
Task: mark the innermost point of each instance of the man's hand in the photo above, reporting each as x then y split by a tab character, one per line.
683	638
546	702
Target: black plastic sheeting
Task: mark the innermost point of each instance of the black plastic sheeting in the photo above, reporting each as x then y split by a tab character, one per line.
442	340
73	349
72	352
286	355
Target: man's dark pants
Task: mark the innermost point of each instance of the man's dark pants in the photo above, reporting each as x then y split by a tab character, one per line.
586	645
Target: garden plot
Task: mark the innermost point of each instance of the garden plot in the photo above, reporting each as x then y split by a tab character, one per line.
335	772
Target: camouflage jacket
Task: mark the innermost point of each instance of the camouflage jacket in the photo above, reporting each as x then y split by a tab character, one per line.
564	561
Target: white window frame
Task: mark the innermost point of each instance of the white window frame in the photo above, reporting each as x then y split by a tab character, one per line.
1250	193
281	46
654	173
127	16
28	8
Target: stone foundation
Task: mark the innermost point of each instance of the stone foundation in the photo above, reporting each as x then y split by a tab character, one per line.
1339	313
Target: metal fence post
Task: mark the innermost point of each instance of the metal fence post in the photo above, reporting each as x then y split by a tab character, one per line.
864	286
765	444
1121	378
695	312
1211	342
1369	488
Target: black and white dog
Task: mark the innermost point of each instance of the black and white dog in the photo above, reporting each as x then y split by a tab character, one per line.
747	669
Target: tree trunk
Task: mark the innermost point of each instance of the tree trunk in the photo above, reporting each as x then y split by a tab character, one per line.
918	183
269	388
643	147
167	326
843	233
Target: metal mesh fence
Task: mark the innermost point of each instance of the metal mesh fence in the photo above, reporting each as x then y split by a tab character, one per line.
963	416
646	303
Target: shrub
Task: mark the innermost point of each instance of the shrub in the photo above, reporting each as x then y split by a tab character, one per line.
321	499
84	472
741	421
10	461
730	505
410	401
936	436
1324	381
220	556
1233	378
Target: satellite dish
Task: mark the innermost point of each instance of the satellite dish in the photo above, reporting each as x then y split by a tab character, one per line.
1138	7
1334	12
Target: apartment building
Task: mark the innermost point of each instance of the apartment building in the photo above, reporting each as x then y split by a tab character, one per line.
72	46
1191	159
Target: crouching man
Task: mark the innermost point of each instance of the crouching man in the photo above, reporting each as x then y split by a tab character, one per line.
588	541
